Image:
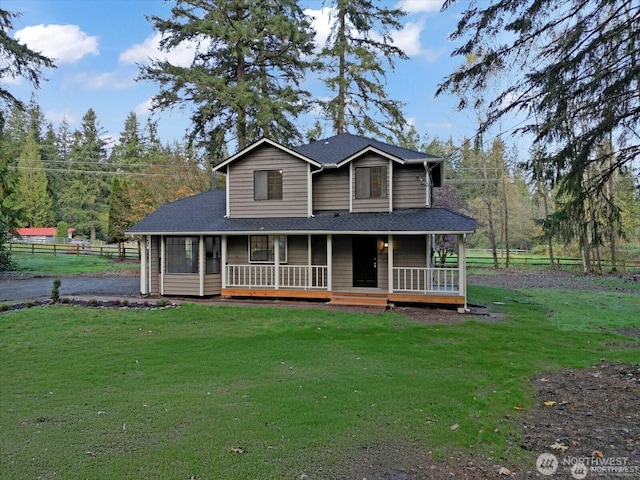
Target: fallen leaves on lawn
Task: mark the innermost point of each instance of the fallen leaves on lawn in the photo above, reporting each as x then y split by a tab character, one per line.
504	471
453	427
237	450
561	447
549	403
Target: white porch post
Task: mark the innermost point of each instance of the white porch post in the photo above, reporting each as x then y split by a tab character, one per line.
329	261
201	263
143	266
308	282
462	270
223	260
276	261
162	264
390	262
429	252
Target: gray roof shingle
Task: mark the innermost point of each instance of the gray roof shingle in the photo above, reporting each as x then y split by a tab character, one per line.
204	213
334	149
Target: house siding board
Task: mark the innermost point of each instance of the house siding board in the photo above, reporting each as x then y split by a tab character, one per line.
342	278
408	190
182	284
294	201
154	266
331	190
237	250
297	251
362	205
410	251
213	284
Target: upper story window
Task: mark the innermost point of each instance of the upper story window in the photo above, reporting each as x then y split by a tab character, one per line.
267	185
371	182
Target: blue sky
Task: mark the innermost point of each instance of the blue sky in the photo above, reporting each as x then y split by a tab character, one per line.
97	43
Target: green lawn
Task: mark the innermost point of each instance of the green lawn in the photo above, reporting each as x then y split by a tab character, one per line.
69	264
126	394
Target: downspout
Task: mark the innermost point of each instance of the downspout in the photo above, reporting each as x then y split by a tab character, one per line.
311	192
428	183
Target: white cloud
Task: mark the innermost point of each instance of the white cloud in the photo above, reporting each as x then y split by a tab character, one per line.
64	43
321	23
108	80
56	117
144	108
417	6
408	39
181	56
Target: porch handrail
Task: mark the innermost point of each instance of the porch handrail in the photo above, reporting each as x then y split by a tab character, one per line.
289	276
426	279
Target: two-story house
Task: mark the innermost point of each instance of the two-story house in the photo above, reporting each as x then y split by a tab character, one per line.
346	219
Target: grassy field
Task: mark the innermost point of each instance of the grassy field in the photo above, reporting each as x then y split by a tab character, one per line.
69	264
263	393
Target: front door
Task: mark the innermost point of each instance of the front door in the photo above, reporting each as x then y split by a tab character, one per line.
365	261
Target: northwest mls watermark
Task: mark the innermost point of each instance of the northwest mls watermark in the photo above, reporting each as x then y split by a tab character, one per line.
583	467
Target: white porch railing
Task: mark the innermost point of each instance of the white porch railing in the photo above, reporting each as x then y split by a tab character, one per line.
289	276
426	280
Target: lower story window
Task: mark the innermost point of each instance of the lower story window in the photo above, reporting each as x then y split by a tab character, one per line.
181	254
262	248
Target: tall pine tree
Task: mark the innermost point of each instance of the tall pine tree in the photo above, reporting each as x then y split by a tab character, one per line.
32	194
355	58
244	81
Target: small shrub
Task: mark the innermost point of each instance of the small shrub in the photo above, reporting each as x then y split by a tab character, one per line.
93	302
64	300
116	302
145	303
163	302
55	291
125	303
4	307
29	304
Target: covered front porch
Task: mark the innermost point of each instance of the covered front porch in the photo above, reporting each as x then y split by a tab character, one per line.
348	269
341	268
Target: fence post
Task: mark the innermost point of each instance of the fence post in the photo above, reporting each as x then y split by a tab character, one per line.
54	249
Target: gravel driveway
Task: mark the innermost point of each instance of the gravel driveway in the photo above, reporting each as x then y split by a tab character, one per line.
14	287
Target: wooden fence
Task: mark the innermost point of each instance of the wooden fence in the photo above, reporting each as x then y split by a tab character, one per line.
131	251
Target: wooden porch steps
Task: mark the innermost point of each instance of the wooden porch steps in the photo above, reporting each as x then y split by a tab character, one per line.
359	299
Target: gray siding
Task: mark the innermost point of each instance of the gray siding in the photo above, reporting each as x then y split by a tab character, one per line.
408	190
213	284
331	190
342	278
297	251
237	250
294	201
410	251
154	266
361	205
182	284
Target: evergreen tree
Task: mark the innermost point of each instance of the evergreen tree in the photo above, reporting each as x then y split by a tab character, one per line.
33	197
244	80
353	58
560	61
18	61
84	195
129	151
119	214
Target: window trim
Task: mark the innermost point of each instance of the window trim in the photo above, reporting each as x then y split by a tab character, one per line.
273	187
369	190
270	241
195	254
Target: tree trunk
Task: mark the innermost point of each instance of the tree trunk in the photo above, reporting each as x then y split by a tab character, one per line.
342	93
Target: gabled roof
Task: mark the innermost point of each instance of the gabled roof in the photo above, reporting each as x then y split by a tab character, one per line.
254	146
342	148
336	151
204	214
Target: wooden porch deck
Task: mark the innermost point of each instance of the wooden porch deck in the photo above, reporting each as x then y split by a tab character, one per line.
361	297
